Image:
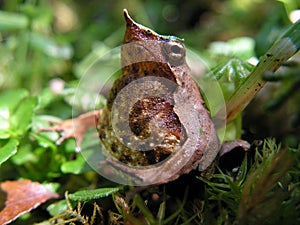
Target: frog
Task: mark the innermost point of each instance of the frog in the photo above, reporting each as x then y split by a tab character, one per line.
177	122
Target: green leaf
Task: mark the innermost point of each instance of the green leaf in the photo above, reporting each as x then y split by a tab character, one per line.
76	166
45	98
231	74
87	195
12	21
4	124
25	155
8	150
9	100
57	207
44	141
21	119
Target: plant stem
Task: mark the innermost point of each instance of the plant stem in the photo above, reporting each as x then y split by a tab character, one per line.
284	48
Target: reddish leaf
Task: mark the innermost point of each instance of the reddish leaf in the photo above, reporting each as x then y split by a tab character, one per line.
19	197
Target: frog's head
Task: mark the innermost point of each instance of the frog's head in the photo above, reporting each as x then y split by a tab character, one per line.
150	46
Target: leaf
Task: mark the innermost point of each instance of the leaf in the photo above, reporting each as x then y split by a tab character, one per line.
231	74
77	166
57	207
21	118
8	103
43	141
21	197
8	150
4	124
12	21
25	156
10	99
87	195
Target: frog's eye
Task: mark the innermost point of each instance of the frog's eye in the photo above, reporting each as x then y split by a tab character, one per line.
174	52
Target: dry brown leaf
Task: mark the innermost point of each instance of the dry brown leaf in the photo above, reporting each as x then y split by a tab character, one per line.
20	197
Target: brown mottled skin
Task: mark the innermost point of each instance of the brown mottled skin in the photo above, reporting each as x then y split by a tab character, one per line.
185	115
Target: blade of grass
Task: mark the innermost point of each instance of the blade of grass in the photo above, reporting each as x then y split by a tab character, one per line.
145	211
178	211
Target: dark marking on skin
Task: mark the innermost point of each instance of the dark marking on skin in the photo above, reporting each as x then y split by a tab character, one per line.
134	68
